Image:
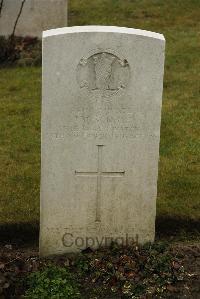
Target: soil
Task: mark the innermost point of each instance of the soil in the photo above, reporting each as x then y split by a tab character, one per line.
17	261
191	262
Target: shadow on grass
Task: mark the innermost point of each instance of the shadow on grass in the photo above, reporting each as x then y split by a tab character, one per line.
27	234
23	234
177	228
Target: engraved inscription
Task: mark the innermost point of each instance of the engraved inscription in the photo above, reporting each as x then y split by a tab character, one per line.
99	174
110	121
104	72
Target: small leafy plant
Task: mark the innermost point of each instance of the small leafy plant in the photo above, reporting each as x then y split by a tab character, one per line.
129	272
133	272
52	283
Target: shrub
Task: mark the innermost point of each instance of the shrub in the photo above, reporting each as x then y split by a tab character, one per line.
8	51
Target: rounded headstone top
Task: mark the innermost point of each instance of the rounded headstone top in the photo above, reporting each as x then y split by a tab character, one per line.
104	29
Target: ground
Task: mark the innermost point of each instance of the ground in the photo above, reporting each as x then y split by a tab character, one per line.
109	273
178	204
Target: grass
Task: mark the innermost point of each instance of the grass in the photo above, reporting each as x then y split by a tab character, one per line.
179	170
20	144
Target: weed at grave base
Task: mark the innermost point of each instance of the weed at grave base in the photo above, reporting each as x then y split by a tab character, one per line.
150	271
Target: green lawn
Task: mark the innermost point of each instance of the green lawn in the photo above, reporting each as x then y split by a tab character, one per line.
179	170
20	100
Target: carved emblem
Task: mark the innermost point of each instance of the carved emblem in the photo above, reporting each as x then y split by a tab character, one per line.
103	72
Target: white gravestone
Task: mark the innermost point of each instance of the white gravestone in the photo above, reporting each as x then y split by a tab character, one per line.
101	113
36	16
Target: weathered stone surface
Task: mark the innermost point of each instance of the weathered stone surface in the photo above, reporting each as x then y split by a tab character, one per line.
101	111
36	16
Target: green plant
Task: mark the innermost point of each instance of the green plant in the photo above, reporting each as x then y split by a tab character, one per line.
132	271
82	264
52	283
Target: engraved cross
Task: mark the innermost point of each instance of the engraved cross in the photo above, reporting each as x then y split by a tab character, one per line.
99	174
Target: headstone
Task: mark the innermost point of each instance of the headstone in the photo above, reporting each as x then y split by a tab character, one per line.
35	16
101	113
